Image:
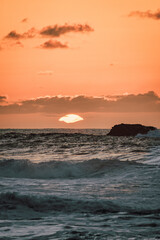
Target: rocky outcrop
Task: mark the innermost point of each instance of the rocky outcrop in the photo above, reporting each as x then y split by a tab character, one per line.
129	130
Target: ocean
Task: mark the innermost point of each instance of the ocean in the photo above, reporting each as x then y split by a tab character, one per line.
71	184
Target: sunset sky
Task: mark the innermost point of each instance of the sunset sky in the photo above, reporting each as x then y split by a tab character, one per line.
98	59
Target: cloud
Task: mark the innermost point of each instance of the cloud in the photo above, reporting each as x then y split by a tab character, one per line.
148	102
49	31
56	31
3	99
45	72
31	33
14	35
46	32
53	44
147	14
24	20
12	44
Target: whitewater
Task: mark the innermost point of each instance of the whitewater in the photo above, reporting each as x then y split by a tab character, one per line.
72	184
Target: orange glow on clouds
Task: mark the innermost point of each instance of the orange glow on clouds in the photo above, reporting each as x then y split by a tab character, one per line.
105	53
71	118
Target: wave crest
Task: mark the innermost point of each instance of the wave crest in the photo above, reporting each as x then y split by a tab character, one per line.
61	169
150	134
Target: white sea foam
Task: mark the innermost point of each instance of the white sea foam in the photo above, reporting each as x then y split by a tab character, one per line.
150	134
62	169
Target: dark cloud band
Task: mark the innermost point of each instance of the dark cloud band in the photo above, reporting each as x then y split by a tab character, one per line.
148	102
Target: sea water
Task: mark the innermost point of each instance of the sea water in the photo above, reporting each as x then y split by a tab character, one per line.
78	184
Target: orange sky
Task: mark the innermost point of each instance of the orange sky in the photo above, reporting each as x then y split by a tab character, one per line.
100	48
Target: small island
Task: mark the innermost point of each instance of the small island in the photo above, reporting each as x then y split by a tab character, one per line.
129	129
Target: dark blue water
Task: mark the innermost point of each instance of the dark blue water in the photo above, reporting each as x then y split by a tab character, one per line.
79	184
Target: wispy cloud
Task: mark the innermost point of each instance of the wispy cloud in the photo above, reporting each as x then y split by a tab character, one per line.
24	20
148	102
146	14
19	44
45	72
11	44
53	44
31	33
56	31
14	35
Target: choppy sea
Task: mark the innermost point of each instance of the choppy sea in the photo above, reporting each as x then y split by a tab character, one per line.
76	184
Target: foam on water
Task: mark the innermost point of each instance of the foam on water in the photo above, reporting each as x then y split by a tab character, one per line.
150	134
63	169
78	184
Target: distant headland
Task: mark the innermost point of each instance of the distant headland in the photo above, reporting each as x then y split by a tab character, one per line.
129	129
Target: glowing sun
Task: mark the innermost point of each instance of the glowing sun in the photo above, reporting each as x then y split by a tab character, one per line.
70	118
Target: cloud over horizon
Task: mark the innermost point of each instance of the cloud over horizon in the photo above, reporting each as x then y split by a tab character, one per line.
146	14
147	102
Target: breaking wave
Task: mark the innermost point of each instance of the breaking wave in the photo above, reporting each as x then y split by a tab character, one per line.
62	169
150	134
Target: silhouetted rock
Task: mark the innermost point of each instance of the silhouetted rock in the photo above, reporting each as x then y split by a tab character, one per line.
129	129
